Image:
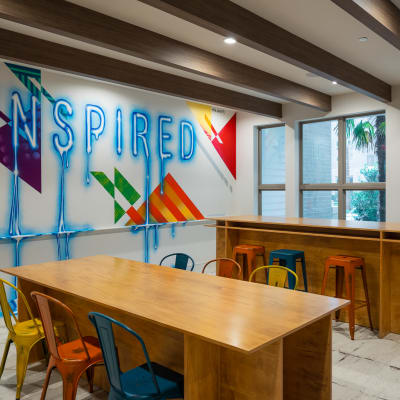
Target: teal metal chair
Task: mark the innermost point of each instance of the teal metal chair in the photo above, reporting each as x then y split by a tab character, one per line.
178	260
149	381
289	258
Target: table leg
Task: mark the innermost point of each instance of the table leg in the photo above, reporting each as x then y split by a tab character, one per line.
307	362
213	372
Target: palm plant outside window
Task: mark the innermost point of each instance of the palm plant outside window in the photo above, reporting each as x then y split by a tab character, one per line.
343	168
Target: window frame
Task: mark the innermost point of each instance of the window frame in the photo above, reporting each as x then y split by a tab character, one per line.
341	186
277	187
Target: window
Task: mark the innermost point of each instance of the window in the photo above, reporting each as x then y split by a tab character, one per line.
343	168
271	170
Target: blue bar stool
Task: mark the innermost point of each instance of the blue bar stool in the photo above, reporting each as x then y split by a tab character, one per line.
289	258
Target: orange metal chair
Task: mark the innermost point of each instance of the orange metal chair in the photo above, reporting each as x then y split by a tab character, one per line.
226	267
71	358
249	253
346	267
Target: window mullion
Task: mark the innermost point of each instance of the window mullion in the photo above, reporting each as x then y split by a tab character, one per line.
341	167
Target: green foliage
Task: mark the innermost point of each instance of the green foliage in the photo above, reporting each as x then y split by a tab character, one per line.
365	203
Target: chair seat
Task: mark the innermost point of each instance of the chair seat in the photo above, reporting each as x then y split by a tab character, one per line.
259	250
139	381
297	253
74	349
340	260
28	328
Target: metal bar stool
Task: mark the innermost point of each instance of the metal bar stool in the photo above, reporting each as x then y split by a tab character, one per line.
289	258
249	252
346	267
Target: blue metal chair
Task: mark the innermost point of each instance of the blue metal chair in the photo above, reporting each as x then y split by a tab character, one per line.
288	258
149	381
178	260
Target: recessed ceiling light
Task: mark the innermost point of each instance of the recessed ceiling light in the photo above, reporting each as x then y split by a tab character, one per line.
363	39
230	40
334	83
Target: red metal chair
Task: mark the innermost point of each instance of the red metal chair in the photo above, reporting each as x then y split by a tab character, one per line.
226	267
71	358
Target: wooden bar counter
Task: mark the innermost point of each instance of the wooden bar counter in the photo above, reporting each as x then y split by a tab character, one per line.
231	339
378	243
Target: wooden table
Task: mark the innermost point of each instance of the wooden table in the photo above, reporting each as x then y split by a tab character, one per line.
231	339
377	242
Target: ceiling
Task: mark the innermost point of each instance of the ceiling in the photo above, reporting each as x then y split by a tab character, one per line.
320	22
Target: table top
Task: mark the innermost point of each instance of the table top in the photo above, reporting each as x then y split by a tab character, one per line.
240	315
313	222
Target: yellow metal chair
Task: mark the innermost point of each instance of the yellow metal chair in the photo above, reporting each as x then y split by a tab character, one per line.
276	275
23	334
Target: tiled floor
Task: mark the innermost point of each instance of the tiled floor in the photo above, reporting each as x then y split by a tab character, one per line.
367	368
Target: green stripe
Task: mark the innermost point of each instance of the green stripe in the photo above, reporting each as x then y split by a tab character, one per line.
101	177
119	212
126	189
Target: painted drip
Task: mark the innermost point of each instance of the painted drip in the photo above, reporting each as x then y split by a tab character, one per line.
173	230
156	237
14	229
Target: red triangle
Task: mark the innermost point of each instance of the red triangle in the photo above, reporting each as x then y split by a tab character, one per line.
227	149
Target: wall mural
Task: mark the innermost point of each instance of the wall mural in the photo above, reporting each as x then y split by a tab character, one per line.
77	155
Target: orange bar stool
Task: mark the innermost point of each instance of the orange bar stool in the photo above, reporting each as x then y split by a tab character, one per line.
346	267
249	252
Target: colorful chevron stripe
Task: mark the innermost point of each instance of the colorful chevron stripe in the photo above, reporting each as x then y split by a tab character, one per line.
172	206
120	190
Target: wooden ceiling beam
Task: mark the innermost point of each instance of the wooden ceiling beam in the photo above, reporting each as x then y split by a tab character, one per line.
23	48
381	16
229	19
89	26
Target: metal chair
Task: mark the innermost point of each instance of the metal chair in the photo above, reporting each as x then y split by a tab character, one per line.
276	275
226	267
71	359
149	381
178	260
24	334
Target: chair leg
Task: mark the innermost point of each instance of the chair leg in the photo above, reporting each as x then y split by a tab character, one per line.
339	288
350	294
291	264
5	354
22	365
50	368
90	378
251	264
324	281
364	278
304	270
70	384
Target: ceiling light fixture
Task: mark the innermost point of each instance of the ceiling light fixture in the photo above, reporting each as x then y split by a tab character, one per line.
230	40
363	39
334	83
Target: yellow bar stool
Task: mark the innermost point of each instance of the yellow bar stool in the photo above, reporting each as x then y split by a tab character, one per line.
276	275
24	334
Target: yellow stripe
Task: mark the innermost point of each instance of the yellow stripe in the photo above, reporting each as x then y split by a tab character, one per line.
162	208
178	202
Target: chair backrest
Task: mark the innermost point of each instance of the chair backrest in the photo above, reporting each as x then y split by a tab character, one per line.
276	276
6	309
178	260
104	328
43	302
228	268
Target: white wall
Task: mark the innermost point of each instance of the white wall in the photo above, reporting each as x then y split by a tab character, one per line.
245	192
